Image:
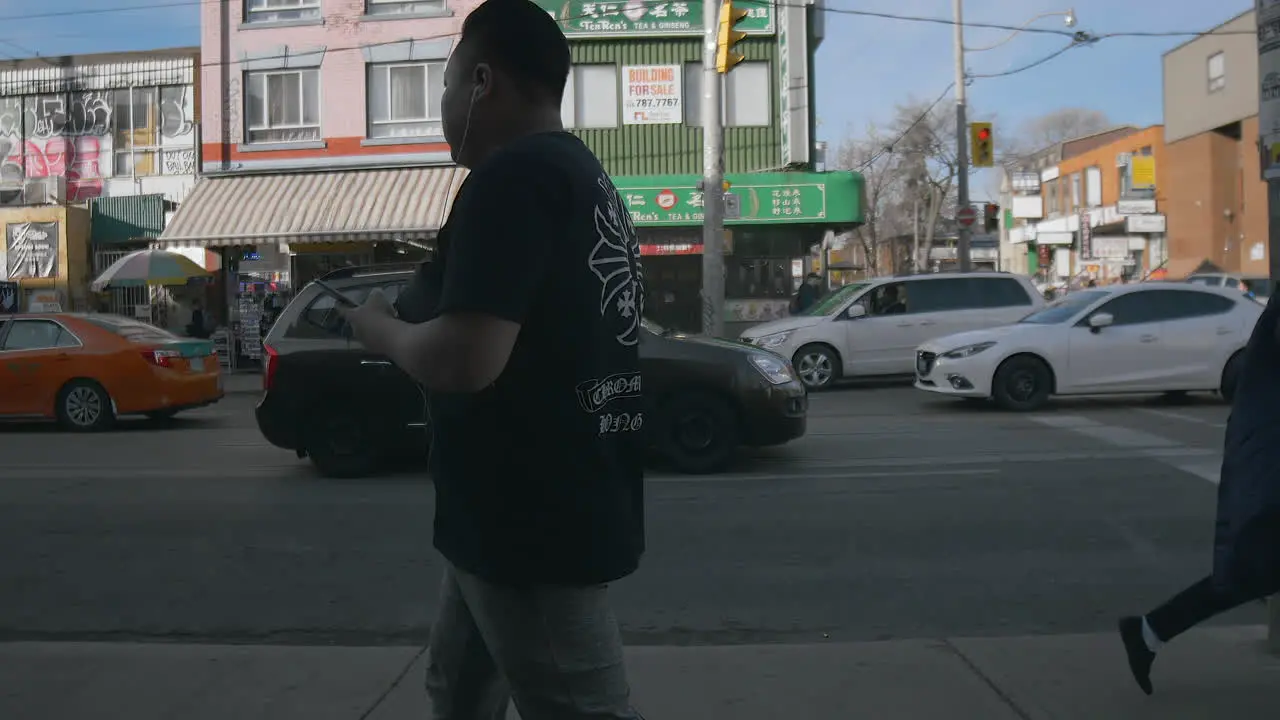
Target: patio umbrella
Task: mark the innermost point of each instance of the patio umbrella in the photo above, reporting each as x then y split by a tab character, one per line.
149	267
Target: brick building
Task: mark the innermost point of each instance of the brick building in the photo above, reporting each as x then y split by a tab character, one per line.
1210	182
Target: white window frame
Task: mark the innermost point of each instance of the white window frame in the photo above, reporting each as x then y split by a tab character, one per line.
381	8
434	123
693	77
1216	67
281	10
569	114
1093	186
1076	192
249	123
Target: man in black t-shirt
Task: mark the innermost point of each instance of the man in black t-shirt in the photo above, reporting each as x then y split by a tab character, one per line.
529	349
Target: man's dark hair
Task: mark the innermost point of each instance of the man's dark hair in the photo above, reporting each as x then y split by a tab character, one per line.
522	40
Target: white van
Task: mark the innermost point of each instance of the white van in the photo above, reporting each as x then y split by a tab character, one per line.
873	328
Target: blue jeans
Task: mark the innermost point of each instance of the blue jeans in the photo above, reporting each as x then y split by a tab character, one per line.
555	651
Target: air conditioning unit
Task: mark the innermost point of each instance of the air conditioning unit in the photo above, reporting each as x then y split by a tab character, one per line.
33	191
45	191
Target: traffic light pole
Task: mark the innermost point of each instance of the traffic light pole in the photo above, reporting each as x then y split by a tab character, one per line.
962	140
712	178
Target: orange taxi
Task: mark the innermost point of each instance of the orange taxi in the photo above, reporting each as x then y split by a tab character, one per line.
85	370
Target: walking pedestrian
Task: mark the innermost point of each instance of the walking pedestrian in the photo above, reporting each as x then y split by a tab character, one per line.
530	356
1246	558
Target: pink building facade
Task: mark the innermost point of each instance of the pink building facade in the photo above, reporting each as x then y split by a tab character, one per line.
324	83
321	147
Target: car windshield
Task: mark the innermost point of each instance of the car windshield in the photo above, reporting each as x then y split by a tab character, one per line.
1064	309
832	301
132	330
652	326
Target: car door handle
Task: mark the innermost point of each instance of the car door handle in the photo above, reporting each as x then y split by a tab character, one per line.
376	363
1224	331
926	323
1147	338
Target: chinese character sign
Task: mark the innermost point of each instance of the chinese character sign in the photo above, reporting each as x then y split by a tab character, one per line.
652	95
659	206
31	250
648	17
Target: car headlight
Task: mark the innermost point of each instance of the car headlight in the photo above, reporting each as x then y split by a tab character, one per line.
769	342
967	350
773	368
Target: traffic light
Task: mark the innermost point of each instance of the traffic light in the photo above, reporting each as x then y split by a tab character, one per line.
983	144
726	58
991	218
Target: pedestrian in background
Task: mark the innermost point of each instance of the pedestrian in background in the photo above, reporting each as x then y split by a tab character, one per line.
529	352
1246	557
808	294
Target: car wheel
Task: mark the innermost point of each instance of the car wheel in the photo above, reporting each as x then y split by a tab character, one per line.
1231	377
341	447
817	366
700	433
1022	383
84	406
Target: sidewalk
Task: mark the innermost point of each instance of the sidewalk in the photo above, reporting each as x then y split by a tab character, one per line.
1209	674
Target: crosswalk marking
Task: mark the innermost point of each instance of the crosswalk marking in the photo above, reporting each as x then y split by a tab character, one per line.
1206	465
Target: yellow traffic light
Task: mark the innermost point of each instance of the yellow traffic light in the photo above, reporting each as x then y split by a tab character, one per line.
983	144
726	58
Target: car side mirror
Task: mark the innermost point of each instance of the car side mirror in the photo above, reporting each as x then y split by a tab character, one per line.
1097	321
855	311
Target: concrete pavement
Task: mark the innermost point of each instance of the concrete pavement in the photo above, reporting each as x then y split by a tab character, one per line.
1207	675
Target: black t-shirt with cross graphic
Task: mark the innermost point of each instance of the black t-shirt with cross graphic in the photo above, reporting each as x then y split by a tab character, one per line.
539	478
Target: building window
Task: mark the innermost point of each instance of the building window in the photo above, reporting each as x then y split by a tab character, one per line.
405	7
282	106
1217	72
747	95
1051	198
1093	186
591	97
1075	190
273	10
404	99
1145	152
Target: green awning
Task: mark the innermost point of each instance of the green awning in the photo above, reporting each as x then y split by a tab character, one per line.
794	198
126	219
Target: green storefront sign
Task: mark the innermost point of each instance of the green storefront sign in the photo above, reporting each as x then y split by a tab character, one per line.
830	198
630	18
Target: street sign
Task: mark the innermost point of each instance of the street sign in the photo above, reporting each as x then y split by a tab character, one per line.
732	206
966	215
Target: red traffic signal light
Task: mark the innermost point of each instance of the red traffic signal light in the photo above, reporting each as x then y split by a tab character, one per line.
984	134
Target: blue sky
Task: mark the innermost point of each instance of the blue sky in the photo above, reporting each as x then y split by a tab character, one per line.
866	65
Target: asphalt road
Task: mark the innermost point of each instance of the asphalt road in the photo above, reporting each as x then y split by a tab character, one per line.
897	516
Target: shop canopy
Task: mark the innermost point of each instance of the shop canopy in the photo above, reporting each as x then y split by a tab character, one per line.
404	204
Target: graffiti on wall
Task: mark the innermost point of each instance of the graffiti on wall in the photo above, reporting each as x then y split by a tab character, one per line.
89	136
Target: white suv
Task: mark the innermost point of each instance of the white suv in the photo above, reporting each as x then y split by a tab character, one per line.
873	328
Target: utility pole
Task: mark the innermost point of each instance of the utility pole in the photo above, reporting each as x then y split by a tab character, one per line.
962	140
712	176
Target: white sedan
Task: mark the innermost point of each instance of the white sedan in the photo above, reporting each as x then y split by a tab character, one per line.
1141	338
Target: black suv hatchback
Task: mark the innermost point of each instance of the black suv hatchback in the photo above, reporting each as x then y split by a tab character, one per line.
351	411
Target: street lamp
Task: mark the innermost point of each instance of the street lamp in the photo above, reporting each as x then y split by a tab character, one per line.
1068	17
962	122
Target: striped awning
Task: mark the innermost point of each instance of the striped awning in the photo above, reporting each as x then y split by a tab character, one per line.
334	206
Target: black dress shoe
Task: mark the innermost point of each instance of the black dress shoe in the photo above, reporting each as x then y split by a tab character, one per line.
1140	656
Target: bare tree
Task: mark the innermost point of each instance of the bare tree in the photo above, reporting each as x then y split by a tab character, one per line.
925	162
871	156
1050	129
